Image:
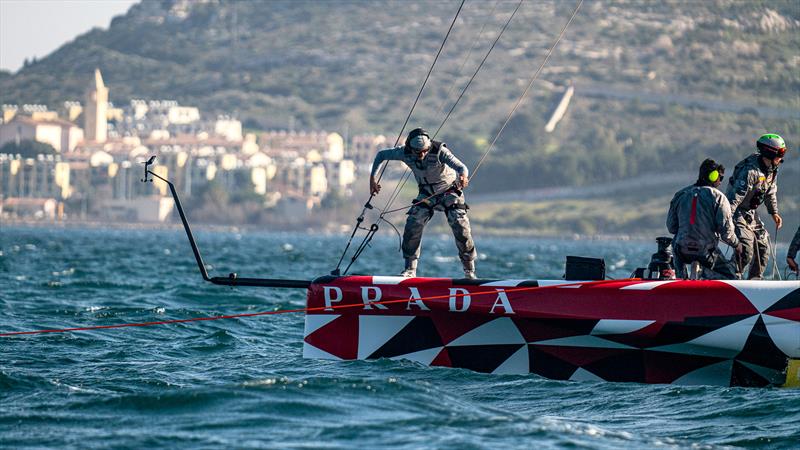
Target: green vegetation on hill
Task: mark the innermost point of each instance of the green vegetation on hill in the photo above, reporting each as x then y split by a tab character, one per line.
359	65
27	148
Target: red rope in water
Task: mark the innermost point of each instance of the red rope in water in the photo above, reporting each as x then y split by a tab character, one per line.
264	313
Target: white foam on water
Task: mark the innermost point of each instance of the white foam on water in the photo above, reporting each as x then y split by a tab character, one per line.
444	259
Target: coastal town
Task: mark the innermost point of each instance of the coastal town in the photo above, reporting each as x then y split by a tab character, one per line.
87	165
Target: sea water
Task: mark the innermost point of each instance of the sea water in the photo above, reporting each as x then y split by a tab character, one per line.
242	383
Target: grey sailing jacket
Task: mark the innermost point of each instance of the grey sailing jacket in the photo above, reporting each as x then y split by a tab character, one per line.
434	173
698	217
750	185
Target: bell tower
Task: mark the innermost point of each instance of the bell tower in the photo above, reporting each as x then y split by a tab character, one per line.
94	116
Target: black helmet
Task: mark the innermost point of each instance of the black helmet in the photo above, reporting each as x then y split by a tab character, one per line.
418	140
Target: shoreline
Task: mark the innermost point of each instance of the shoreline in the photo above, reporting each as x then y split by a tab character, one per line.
330	231
338	230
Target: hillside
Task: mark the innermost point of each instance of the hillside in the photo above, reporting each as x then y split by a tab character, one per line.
659	85
327	63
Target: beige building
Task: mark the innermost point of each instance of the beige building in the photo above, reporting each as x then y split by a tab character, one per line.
29	208
96	111
230	129
62	135
8	112
364	147
183	115
72	110
335	147
140	209
316	182
41	177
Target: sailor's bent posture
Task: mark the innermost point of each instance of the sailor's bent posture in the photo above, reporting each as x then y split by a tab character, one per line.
699	215
441	178
754	182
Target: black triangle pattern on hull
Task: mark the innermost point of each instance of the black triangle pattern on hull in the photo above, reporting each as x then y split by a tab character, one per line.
419	334
549	366
789	301
534	330
760	350
743	376
628	366
691	328
481	358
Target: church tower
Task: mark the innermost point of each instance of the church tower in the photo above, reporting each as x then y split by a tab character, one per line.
94	115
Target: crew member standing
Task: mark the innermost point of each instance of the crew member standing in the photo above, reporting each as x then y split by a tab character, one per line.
698	216
754	181
441	177
792	253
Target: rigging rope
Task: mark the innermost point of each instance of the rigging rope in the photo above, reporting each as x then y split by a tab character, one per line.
374	227
499	35
269	313
466	58
406	173
525	93
510	114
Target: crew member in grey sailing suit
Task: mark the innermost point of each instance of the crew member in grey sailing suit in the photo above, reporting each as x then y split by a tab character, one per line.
441	178
792	253
699	215
754	181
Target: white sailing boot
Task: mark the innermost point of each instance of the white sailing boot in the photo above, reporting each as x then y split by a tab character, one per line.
469	270
410	270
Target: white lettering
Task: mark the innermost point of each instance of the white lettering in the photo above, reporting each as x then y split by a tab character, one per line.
455	293
418	301
502	300
365	297
328	299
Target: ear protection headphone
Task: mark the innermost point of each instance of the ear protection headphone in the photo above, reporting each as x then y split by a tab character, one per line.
713	176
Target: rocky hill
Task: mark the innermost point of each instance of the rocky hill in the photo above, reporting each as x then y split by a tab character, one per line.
658	85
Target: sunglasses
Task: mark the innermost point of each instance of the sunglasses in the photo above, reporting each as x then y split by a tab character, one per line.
780	151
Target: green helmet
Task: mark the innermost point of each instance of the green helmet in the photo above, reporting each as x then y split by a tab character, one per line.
771	146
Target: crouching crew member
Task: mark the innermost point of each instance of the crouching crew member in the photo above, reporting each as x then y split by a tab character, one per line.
441	178
754	181
792	254
698	216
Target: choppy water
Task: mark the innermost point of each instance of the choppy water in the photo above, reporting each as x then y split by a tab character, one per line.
242	383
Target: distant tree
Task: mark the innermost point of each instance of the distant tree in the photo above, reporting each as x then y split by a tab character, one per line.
28	148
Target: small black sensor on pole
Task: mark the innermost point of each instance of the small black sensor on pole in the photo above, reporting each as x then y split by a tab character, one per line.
147	164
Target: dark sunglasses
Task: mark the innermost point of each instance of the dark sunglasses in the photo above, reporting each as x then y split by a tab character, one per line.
780	151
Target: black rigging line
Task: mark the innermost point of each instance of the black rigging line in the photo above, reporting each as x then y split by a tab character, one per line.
478	69
475	43
527	88
513	110
406	176
374	227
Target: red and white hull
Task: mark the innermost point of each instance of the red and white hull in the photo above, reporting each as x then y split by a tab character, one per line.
734	333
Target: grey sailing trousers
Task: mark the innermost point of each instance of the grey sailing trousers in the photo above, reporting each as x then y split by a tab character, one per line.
453	205
755	240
